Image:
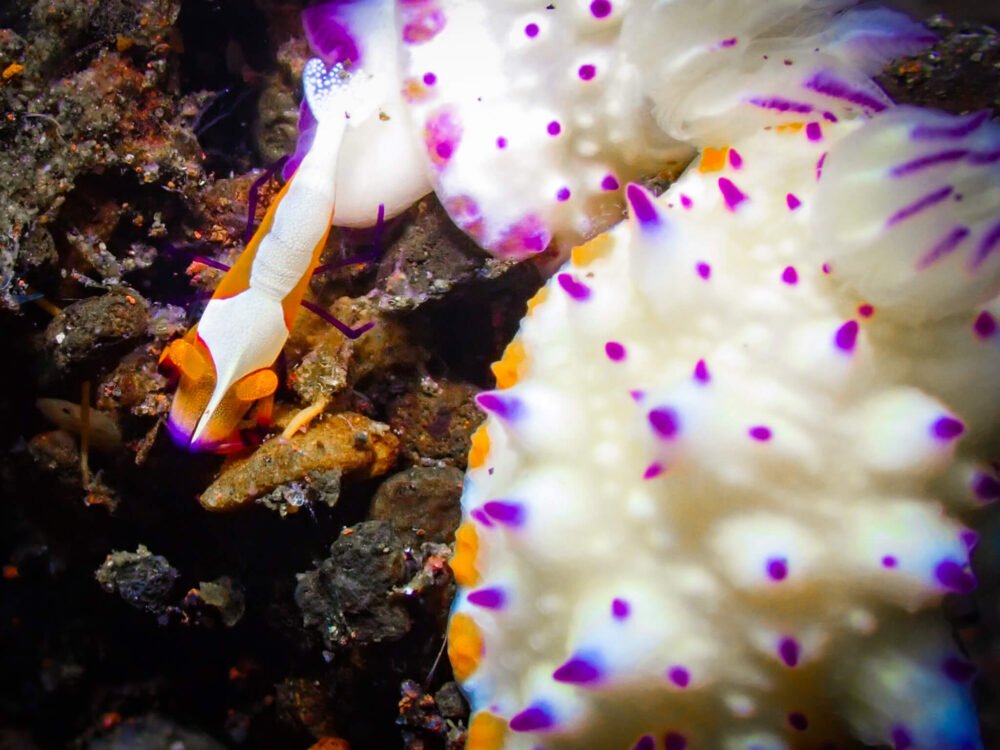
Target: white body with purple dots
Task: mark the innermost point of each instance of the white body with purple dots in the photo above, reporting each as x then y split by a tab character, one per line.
721	500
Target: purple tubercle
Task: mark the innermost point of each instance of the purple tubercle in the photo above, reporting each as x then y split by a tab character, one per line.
665	423
951	132
789	651
636	394
781	105
826	269
969	538
609	182
674	741
653	470
701	373
928	160
792	201
615	351
480	515
987	246
798	721
578	670
985	325
921	204
553	128
679	676
686	201
814	131
777	568
735	159
901	738
327	30
501	142
985	487
760	433
532	719
586	72
828	84
429	79
620	609
943	247
830	117
489	598
506	512
563	194
947	428
531	30
954	577
819	166
865	310
889	561
730	42
732	195
958	670
505	407
642	206
600	8
846	337
790	276
703	269
577	290
646	742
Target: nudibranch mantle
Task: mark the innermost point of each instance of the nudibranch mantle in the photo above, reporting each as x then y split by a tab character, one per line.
717	495
224	361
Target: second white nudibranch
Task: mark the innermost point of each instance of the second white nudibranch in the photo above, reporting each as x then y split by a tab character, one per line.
225	361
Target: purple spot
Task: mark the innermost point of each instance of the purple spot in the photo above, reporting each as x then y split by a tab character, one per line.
554	128
430	79
901	738
782	105
533	718
641	205
985	325
586	72
600	8
760	433
620	609
652	471
945	246
637	395
830	117
934	132
686	202
866	310
491	598
947	428
777	569
701	373
792	201
730	193
444	149
826	269
505	407
989	243
562	194
827	84
819	166
674	741
615	351
954	577
507	512
788	650
480	515
790	276
610	182
501	142
958	670
730	42
531	30
644	743
985	487
577	671
704	270
970	539
665	423
798	721
846	337
889	561
930	160
920	204
735	160
814	132
575	289
679	676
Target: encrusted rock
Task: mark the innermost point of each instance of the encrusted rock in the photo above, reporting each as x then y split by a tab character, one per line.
422	503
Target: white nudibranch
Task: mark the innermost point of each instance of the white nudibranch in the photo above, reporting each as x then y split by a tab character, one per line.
225	361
